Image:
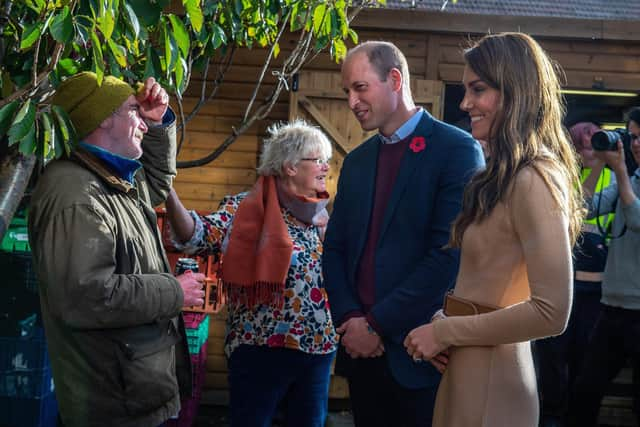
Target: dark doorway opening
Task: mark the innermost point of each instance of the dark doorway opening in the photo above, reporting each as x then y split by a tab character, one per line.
602	109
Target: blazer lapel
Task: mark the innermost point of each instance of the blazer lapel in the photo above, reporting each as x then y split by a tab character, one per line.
409	162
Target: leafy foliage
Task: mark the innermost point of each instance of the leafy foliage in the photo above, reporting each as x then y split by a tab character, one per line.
43	41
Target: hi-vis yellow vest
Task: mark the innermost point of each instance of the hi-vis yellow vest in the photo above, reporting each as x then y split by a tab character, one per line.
603	182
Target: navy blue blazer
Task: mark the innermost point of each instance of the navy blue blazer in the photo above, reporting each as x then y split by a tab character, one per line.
412	270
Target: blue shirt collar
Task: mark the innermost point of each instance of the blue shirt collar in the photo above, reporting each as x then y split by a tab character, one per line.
405	130
123	167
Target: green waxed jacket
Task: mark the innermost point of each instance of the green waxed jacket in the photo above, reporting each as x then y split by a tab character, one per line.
110	305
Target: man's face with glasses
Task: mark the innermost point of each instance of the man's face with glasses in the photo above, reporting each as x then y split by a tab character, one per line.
127	130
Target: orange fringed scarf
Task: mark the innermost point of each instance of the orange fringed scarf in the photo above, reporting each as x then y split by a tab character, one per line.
258	255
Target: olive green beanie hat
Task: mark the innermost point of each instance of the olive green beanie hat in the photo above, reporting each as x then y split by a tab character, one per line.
89	104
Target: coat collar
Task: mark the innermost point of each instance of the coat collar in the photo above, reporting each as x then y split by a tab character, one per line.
100	168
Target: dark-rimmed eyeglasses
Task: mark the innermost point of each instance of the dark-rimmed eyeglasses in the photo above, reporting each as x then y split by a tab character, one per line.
318	161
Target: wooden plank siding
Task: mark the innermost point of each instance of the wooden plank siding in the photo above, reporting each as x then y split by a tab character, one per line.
432	43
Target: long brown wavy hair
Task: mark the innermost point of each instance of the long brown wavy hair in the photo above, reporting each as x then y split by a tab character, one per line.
527	131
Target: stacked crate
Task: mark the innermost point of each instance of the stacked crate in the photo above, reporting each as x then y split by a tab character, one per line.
196	321
208	265
27	396
197	327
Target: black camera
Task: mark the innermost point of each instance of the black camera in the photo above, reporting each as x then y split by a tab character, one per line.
604	140
607	140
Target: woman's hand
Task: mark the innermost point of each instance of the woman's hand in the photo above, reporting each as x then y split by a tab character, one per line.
421	344
440	361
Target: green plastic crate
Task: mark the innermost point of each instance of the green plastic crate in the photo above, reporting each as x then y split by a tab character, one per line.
196	337
16	238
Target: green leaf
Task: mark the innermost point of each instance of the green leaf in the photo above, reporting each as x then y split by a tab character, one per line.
149	11
152	67
48	134
168	50
119	53
237	4
276	50
353	35
28	143
36	5
296	20
69	137
181	72
6	116
194	12
321	43
44	137
218	37
68	66
30	35
319	17
84	27
338	50
181	34
58	146
343	22
106	23
132	19
331	25
98	58
47	21
62	26
23	122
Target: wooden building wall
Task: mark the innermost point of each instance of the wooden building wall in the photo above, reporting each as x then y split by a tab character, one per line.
432	55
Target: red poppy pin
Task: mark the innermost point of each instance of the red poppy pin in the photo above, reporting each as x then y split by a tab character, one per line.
417	144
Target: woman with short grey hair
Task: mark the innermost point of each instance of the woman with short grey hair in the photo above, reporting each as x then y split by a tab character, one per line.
280	339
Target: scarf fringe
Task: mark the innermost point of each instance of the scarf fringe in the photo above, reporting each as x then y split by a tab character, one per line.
255	294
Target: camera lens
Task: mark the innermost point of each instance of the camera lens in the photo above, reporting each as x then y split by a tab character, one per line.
604	140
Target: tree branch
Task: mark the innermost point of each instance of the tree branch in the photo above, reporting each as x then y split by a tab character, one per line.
55	57
15	171
296	60
266	65
217	82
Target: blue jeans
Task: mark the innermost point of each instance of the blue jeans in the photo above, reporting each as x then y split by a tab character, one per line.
260	378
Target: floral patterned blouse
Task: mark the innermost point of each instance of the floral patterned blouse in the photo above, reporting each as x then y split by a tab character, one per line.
304	322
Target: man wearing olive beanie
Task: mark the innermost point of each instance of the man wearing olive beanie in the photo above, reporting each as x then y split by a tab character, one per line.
110	305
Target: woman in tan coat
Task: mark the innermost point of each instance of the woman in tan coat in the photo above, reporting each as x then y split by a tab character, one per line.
519	221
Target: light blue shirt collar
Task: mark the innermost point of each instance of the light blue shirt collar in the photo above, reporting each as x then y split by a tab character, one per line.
405	130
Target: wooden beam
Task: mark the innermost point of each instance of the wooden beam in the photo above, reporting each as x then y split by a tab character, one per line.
446	22
432	58
329	94
341	142
293	105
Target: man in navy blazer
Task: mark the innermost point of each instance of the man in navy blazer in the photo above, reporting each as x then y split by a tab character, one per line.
385	264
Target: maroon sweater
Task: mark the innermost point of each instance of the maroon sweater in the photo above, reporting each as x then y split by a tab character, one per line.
389	159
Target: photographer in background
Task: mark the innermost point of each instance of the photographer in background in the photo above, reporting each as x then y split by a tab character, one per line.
559	359
616	335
